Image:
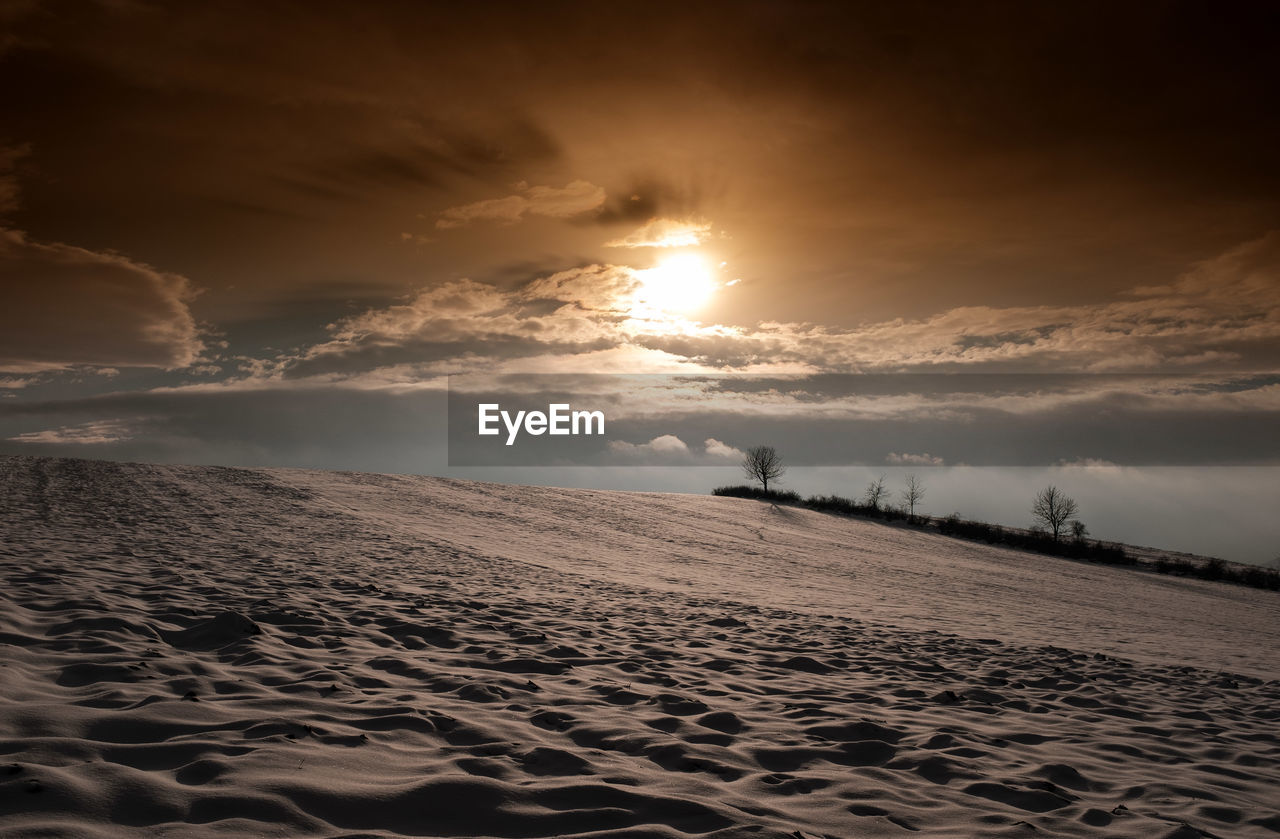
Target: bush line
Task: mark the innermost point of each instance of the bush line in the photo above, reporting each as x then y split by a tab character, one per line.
994	534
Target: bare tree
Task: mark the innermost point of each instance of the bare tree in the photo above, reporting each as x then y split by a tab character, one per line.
1053	509
913	493
763	464
877	493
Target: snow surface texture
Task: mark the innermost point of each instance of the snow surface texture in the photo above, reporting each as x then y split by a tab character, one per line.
189	651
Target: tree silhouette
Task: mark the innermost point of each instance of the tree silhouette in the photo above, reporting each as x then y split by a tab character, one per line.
1078	531
763	464
876	493
913	493
1053	509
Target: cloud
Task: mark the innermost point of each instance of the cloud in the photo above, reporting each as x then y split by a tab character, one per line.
665	233
67	306
1250	270
715	448
465	319
667	444
670	450
574	199
96	432
9	188
1222	315
656	196
1093	463
422	154
606	289
906	459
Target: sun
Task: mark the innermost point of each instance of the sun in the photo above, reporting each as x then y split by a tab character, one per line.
681	282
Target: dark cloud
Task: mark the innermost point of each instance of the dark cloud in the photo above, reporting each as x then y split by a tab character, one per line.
642	198
868	160
68	306
451	154
9	186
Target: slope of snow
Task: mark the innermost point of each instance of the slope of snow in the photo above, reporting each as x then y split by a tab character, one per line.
772	556
192	651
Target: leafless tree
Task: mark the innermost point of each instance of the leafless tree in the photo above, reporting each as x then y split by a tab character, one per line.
877	493
1053	509
913	493
1078	531
763	464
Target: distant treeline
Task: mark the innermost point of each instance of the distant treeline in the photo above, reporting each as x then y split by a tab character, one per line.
1090	550
1217	569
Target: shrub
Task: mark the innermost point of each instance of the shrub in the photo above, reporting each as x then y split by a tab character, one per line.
848	507
785	496
1179	567
1259	577
1109	555
836	504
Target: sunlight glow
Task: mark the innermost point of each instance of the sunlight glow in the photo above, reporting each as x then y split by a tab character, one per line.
679	283
665	233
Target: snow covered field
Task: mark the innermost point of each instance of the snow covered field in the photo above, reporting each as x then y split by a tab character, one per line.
200	651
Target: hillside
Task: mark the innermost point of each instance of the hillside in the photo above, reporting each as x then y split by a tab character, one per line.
200	651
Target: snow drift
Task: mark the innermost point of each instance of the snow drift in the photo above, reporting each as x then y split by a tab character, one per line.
197	651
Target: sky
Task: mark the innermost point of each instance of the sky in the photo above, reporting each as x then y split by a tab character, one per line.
984	240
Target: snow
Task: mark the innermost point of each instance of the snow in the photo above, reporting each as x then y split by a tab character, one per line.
200	651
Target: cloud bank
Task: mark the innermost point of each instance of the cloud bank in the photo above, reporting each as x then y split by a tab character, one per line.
1222	315
96	432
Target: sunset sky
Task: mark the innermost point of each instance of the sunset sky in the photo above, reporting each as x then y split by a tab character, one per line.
264	233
